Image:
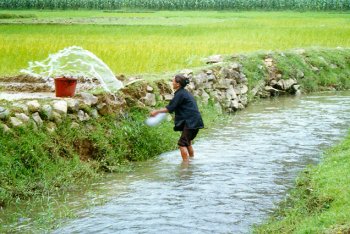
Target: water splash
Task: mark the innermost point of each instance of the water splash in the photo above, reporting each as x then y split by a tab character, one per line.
75	62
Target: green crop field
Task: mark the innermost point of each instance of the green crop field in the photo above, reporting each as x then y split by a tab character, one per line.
317	5
140	42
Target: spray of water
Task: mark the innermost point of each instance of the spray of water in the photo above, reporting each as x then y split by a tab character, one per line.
74	62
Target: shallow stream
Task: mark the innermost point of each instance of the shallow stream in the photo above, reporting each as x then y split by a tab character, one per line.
242	168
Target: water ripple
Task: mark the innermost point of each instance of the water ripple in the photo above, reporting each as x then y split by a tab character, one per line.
240	171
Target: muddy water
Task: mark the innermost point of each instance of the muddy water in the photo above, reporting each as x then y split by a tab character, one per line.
241	170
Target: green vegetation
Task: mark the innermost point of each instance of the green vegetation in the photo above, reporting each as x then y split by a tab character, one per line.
134	42
320	203
105	144
315	69
179	4
48	165
155	42
322	69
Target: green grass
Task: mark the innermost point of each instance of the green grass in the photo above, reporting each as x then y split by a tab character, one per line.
333	68
155	42
320	202
37	165
47	166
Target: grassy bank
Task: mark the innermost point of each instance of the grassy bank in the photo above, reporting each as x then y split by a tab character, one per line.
38	168
320	202
156	42
317	69
47	161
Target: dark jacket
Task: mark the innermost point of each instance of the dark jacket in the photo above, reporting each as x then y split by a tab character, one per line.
186	111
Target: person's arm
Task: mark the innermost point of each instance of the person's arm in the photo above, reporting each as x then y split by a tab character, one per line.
156	112
174	103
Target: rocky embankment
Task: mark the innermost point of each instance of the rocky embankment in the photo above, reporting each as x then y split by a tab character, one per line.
223	81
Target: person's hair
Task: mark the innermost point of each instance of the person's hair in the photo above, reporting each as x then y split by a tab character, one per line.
182	80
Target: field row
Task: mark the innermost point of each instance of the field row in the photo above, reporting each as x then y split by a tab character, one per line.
179	4
166	41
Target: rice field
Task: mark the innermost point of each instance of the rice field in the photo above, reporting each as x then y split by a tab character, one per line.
153	42
179	4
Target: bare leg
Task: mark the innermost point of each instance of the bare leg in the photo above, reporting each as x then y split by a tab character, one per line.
190	151
184	153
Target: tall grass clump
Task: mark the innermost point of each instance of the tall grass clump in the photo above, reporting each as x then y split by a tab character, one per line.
319	5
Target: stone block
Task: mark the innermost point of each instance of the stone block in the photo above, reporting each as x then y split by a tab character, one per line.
37	119
4	113
60	107
15	122
23	117
33	106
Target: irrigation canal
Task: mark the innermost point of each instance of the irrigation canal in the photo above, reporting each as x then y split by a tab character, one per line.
241	170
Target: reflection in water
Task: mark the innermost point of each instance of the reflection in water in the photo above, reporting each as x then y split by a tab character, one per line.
240	170
186	169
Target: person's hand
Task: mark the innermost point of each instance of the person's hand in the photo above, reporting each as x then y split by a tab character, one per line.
153	113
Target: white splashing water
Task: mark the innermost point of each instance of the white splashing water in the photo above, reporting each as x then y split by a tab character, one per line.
75	62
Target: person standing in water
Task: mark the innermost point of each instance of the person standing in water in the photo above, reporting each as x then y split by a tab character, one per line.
187	116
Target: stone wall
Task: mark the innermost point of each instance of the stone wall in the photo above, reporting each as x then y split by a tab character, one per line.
224	83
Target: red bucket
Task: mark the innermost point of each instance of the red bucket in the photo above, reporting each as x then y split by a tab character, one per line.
65	87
